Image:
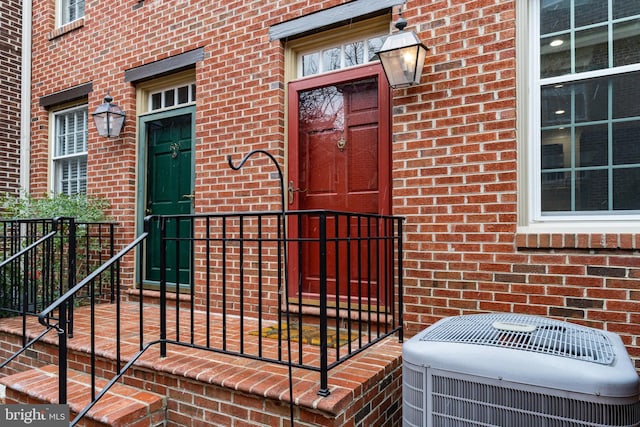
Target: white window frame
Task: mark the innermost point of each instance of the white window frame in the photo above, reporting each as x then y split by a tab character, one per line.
531	218
62	14
58	158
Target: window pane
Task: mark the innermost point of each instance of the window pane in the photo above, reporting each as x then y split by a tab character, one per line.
374	45
555	143
626	143
331	59
626	92
626	194
626	39
556	192
353	54
156	101
183	94
555	55
556	105
624	8
169	98
592	146
592	188
592	49
555	15
72	175
591	12
310	64
193	93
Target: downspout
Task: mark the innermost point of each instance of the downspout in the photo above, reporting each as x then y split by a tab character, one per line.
25	97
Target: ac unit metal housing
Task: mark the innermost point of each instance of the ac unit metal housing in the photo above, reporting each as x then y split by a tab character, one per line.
515	370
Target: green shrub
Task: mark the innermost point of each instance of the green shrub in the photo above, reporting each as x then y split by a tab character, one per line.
82	207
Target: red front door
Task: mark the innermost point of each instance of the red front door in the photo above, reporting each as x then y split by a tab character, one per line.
339	160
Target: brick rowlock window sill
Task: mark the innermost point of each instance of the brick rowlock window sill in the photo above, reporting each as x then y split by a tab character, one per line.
71	26
599	241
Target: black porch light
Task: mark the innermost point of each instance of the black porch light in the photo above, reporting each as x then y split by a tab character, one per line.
402	56
109	119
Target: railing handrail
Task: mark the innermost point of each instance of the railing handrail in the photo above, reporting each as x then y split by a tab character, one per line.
41	240
287	213
44	316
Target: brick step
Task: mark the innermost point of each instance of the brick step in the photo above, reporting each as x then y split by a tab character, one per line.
122	406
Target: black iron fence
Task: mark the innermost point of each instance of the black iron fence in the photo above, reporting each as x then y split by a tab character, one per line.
310	294
341	290
40	259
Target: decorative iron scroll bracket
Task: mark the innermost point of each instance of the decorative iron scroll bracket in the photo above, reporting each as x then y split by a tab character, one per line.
275	162
286	264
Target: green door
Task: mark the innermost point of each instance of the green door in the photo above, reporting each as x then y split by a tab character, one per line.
169	191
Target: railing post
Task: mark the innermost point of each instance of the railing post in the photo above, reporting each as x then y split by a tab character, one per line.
71	273
324	380
25	297
62	354
400	285
163	287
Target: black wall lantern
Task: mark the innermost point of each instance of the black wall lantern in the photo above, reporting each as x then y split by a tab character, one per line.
402	56
109	119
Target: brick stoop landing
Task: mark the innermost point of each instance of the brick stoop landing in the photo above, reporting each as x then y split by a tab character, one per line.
203	388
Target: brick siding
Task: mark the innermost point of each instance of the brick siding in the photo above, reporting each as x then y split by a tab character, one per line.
10	69
454	149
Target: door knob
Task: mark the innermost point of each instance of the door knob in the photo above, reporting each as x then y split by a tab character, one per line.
189	196
341	144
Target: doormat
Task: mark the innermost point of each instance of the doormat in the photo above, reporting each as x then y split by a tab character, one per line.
310	334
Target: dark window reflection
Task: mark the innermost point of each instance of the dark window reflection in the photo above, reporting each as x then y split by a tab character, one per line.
626	143
556	191
591	12
592	190
555	16
624	8
626	193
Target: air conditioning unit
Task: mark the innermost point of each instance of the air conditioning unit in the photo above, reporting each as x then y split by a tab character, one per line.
517	371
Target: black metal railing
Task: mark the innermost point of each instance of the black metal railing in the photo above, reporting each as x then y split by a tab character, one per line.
344	284
223	287
40	259
57	316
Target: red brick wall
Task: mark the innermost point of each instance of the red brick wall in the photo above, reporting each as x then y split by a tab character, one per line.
454	148
455	178
10	69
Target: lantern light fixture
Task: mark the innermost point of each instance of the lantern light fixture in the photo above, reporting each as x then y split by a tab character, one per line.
109	119
402	56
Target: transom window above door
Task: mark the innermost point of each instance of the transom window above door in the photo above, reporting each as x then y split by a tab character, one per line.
338	56
171	97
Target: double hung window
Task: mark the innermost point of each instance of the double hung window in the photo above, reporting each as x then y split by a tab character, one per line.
70	151
69	11
586	110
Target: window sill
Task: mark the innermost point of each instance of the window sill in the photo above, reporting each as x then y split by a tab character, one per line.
567	238
71	26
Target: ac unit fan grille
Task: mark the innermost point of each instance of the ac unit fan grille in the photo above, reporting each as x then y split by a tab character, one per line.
529	333
459	402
